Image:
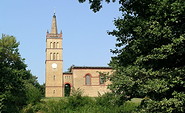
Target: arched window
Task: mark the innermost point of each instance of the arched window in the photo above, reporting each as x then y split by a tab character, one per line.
53	91
57	56
87	79
102	79
50	56
54	45
57	45
50	44
54	57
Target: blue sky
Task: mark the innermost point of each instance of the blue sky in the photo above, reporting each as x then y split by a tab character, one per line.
85	38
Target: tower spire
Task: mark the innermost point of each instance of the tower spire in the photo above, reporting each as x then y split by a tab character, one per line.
54	25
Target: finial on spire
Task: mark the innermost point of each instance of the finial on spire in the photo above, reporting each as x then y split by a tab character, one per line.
54	25
54	12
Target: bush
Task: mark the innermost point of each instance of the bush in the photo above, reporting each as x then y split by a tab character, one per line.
109	99
128	107
76	103
172	105
33	94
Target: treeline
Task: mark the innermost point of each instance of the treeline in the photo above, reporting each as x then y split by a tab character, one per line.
18	87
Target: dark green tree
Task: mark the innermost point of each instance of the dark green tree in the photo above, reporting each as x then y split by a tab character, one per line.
16	82
96	5
150	53
42	89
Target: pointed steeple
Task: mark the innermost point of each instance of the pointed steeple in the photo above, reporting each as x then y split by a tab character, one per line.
54	25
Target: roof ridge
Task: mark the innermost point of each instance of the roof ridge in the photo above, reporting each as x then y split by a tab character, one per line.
91	67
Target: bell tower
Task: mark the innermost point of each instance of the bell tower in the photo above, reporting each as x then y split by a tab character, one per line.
54	62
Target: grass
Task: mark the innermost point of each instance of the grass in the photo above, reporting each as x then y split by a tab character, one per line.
136	100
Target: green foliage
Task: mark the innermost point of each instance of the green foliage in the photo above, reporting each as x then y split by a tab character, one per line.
42	89
12	70
33	94
14	78
76	92
171	105
76	99
96	5
109	99
75	102
150	52
81	104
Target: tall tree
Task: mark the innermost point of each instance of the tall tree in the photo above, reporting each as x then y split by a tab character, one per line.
150	52
96	5
14	78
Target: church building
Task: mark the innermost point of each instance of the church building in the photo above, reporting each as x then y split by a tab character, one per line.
89	79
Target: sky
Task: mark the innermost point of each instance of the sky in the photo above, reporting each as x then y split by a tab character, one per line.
85	38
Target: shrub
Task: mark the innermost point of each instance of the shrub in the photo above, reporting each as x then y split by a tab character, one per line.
172	105
33	94
76	103
109	99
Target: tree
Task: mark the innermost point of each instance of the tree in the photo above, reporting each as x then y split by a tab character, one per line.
96	5
150	52
14	78
42	89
